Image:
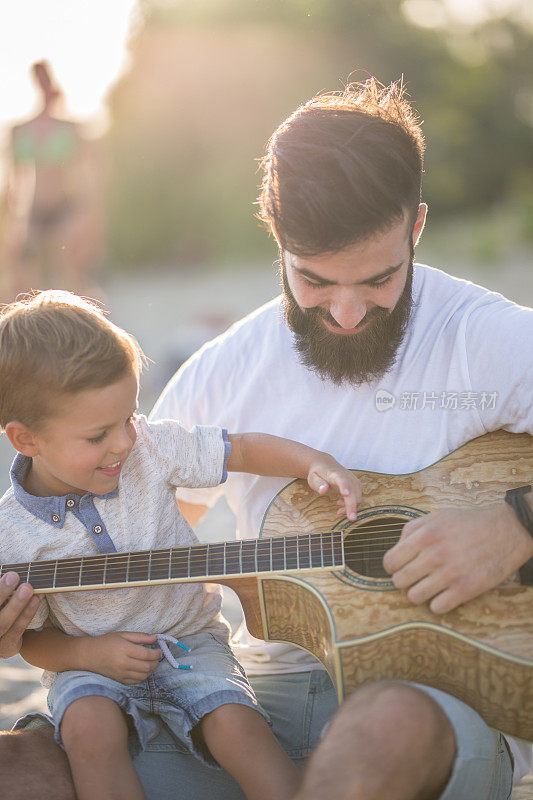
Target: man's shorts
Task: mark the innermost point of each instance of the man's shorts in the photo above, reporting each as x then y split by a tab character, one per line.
483	765
300	704
179	698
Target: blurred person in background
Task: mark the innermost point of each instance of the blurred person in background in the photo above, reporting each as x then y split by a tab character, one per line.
52	227
341	194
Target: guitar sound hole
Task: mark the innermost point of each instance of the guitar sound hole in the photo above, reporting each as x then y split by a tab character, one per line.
365	544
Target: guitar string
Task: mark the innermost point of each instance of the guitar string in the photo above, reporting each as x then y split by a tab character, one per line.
118	561
290	542
292	546
73	577
289	539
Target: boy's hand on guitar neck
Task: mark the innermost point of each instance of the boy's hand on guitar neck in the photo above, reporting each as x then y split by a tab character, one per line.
326	473
451	556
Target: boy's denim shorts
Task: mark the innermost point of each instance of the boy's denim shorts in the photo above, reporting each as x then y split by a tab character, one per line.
173	698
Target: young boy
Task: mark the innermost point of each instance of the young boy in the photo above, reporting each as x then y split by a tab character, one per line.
93	476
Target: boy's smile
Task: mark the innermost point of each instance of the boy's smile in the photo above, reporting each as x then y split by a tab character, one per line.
84	446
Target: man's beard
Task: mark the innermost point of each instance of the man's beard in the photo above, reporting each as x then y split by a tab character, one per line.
360	357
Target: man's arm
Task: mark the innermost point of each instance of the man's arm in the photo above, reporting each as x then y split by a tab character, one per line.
449	557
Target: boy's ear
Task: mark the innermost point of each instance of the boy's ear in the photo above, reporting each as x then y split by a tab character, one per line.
22	438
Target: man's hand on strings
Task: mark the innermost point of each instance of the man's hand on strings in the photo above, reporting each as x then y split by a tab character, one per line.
451	556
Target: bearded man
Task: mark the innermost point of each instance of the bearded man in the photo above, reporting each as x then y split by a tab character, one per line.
359	321
341	195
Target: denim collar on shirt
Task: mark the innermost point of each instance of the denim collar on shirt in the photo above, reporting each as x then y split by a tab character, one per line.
49	509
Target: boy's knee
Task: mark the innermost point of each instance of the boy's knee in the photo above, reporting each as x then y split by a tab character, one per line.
93	721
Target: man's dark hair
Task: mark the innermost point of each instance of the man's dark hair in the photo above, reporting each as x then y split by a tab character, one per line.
343	167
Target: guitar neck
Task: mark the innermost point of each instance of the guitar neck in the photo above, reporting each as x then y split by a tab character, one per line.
201	562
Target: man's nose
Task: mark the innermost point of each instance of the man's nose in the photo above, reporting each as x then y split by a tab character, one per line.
347	308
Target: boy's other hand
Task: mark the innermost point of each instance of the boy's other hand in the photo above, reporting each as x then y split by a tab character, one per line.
326	473
16	613
122	656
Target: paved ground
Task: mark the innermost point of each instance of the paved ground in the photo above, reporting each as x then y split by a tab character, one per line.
171	314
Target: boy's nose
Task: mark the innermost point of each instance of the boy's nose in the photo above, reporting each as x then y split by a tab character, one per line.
121	443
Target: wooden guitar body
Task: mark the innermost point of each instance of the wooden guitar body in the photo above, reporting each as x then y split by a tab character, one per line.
363	629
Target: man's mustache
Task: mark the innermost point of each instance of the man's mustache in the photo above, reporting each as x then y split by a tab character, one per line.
321	313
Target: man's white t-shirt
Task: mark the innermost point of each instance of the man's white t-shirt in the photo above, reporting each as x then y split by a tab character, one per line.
465	367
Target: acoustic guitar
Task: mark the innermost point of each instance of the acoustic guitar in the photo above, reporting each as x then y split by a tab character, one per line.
317	581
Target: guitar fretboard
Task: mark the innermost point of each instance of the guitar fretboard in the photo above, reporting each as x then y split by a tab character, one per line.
202	561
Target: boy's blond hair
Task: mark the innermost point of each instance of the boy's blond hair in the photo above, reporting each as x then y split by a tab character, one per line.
54	343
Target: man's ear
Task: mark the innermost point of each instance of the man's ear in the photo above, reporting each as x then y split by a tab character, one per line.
420	222
22	438
274	233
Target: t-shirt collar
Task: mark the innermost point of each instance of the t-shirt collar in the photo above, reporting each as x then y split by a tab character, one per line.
49	509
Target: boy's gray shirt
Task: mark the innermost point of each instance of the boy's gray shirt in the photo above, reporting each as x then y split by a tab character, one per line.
141	515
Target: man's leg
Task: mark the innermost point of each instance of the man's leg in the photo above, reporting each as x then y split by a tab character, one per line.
33	765
399	741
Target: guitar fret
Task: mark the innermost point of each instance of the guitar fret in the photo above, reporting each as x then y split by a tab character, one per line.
248	556
67	571
138	566
149	565
39	574
91	571
159	564
291	552
233	558
198	564
55	573
104	576
217	559
116	567
326	551
263	555
340	551
179	567
303	552
277	547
